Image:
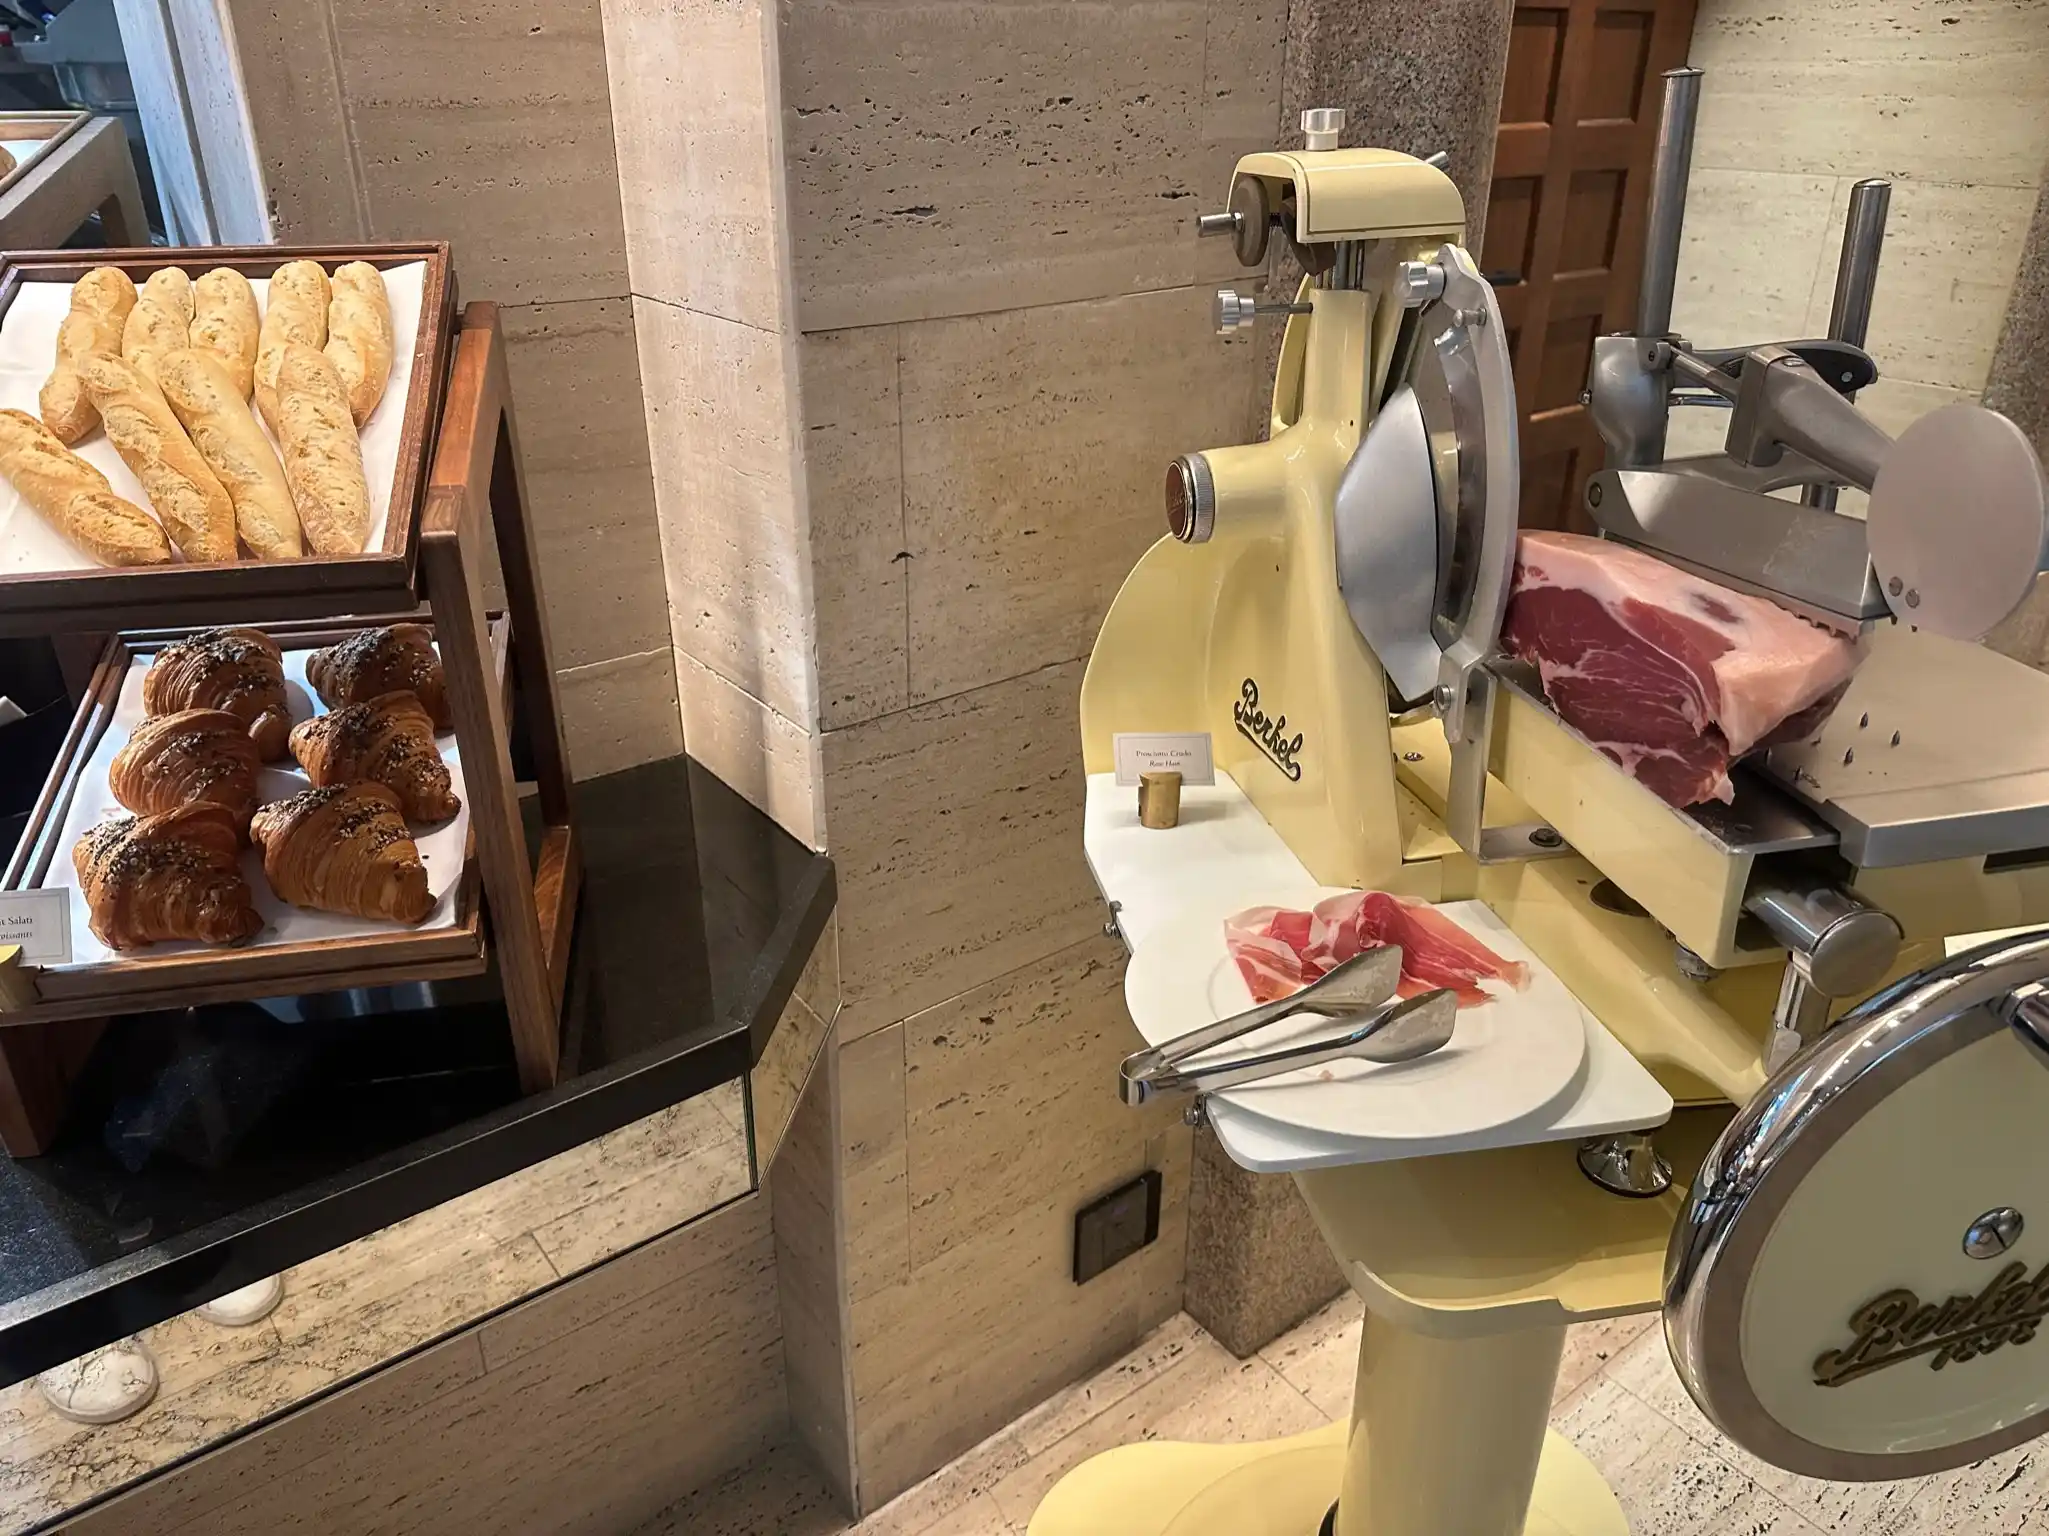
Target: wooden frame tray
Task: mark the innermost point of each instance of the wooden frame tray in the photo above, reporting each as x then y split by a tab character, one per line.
47	129
104	598
187	978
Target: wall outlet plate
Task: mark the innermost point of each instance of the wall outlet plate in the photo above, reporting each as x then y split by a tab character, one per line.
1112	1229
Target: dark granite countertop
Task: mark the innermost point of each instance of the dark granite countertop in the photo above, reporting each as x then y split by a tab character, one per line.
207	1148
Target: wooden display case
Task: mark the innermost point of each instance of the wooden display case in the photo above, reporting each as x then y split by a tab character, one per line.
514	910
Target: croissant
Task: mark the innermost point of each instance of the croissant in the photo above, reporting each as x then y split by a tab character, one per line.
345	849
388	741
374	661
177	875
239	670
196	756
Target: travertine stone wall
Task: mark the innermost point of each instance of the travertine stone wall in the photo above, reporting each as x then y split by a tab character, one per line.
1417	78
591	1407
2019	386
707	253
2019	383
1800	101
922	319
489	123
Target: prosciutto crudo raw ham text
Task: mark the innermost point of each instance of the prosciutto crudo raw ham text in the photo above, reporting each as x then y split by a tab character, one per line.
1280	950
1671	676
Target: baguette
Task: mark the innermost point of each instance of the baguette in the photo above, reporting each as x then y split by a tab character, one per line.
216	413
195	508
160	322
100	304
323	456
74	497
294	314
224	323
359	340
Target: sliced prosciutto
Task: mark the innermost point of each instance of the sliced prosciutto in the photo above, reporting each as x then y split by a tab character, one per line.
1280	950
1672	677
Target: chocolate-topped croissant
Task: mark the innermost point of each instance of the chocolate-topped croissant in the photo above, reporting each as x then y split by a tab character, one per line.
388	741
177	875
196	756
344	849
375	661
239	670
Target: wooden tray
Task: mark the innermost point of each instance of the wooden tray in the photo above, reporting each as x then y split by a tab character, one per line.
49	128
379	580
279	969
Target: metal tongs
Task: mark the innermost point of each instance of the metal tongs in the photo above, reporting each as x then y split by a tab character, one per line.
1358	994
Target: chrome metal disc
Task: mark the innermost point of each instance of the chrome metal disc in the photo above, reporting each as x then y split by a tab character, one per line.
1959	521
1854	1291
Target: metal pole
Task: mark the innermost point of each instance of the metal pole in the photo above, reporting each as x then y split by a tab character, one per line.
1668	201
1849	315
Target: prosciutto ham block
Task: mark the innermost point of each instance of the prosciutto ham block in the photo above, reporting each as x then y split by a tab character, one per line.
1280	950
1671	676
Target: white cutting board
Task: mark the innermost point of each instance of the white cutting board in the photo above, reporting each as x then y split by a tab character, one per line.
1509	1059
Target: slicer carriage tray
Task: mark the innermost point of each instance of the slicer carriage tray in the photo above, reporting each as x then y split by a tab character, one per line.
297	950
1171	890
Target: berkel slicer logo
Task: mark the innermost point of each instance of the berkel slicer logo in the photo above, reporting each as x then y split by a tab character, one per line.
1898	1326
1269	733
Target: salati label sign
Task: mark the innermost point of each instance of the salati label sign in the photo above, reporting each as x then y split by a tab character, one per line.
39	922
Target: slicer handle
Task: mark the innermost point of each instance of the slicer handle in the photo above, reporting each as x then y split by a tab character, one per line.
1843	366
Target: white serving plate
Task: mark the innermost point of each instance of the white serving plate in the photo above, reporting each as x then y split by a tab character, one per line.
1509	1059
28	347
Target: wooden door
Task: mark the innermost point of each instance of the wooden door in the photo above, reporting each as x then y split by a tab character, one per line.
1565	225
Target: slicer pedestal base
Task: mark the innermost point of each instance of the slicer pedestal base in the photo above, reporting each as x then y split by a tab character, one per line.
1279	1488
1446	1435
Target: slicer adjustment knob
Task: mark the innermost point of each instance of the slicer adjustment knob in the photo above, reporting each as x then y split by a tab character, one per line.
1191	499
1321	127
1417	283
1234	311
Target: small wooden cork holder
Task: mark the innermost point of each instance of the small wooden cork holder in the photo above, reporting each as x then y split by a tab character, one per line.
435	557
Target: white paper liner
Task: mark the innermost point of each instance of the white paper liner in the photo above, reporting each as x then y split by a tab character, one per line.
24	150
28	348
441	847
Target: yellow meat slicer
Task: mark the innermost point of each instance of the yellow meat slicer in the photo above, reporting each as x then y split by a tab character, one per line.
1844	1208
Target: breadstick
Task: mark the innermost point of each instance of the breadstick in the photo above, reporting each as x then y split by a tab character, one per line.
160	322
323	456
194	506
294	314
216	414
224	323
359	338
100	302
75	497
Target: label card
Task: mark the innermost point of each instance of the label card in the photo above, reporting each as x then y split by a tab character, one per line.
40	922
1184	752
